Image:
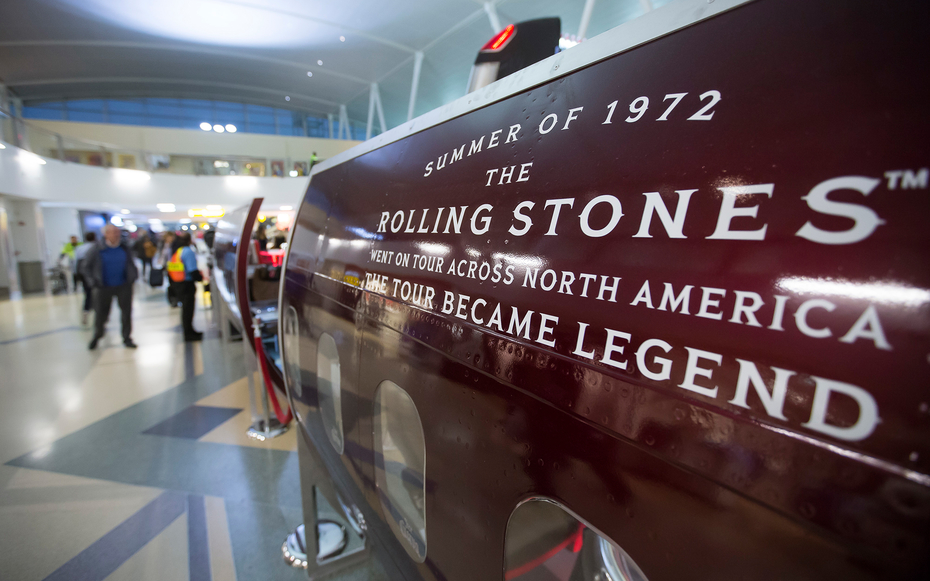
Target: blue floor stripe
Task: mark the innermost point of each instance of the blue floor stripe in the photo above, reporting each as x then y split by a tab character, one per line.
198	549
105	555
37	335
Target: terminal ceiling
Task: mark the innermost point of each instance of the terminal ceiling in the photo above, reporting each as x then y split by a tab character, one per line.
261	51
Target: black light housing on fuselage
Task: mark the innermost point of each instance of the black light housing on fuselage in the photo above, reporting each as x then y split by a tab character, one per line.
515	47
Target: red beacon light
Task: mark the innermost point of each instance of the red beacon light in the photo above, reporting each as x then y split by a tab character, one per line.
500	40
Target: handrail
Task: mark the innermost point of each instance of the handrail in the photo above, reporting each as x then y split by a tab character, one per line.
21	128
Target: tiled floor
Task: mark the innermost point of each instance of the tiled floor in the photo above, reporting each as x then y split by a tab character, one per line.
134	464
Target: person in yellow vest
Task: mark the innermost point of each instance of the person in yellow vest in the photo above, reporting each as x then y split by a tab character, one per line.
184	274
68	251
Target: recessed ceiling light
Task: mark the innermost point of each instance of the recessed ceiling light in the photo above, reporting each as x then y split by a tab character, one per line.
293	173
309	74
206	126
342	39
124	211
219	128
165	207
319	63
287	98
286	208
231	128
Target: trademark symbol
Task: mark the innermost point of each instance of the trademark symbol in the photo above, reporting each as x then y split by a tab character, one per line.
908	179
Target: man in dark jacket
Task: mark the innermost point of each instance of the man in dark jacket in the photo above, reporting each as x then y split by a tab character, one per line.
110	271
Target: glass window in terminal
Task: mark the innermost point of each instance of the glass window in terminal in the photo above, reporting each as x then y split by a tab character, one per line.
330	390
546	542
400	467
291	328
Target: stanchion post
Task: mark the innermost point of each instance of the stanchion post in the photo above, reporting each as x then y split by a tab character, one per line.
267	427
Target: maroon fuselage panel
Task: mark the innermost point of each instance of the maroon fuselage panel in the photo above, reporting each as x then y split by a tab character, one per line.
683	291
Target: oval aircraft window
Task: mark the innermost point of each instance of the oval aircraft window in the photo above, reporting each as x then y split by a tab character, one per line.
291	330
400	467
328	373
545	541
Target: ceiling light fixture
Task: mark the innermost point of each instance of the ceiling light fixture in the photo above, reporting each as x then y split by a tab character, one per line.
2	146
206	126
165	207
287	98
309	74
319	63
342	39
124	211
219	128
230	128
286	208
293	173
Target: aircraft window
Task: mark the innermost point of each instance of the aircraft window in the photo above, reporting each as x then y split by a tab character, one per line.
291	330
400	467
545	541
329	390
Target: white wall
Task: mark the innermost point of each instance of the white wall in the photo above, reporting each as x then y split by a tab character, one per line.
188	142
75	185
59	224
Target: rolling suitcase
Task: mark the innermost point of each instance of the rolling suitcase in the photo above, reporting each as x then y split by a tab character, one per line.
156	278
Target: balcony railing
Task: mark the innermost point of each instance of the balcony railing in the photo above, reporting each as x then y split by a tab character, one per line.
25	135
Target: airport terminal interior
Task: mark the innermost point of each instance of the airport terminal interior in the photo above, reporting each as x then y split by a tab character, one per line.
521	290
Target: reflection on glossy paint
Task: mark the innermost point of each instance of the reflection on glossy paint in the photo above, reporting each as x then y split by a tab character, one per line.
880	292
362	233
523	260
433	248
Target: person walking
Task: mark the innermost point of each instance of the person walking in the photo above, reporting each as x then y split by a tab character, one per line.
183	272
111	271
144	250
79	254
67	252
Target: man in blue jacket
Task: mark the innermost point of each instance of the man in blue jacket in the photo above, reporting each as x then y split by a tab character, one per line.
109	269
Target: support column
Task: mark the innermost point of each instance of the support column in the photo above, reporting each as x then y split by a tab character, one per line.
374	105
379	109
28	244
344	123
6	124
415	84
586	18
492	17
329	119
20	139
9	280
372	92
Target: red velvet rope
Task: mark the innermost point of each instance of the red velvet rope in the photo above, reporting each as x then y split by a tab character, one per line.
260	353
